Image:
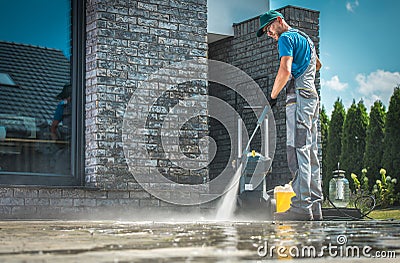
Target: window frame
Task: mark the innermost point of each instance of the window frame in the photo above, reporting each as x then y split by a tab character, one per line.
76	178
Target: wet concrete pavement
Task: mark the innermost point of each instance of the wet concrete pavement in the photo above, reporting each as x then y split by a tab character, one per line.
262	241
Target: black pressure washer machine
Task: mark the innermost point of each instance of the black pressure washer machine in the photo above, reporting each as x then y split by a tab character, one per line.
253	197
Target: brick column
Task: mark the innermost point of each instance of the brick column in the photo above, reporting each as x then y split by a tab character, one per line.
127	41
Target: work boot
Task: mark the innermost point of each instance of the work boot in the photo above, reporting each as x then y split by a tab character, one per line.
317	211
290	215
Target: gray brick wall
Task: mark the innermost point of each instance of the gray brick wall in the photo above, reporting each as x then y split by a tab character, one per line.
127	41
258	57
71	203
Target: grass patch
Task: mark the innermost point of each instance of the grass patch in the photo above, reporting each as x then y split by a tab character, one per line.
388	213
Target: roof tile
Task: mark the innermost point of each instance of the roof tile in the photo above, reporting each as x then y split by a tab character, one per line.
39	73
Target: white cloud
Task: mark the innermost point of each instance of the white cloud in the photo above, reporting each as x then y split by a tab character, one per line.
377	85
350	6
334	84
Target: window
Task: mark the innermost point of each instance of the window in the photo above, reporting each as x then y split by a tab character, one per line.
5	79
41	85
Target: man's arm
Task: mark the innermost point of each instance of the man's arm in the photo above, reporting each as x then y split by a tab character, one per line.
285	69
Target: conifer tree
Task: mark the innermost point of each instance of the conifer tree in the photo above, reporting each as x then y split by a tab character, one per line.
334	145
353	141
391	155
324	120
375	142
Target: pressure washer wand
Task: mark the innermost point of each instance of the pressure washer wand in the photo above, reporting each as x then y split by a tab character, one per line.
259	121
256	178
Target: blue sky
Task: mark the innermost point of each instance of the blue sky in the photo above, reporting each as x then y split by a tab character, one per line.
358	48
36	22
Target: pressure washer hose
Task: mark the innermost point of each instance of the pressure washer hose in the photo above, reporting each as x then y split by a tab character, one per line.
363	215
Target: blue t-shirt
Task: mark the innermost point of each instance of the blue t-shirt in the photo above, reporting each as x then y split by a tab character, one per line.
293	44
58	114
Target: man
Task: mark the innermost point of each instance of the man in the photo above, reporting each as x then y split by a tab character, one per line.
297	69
62	114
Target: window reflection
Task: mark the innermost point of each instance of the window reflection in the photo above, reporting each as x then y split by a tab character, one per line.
35	97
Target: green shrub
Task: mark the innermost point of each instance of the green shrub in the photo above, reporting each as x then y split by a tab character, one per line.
384	190
360	197
361	186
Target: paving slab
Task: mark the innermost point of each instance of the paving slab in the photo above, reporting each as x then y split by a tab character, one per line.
198	241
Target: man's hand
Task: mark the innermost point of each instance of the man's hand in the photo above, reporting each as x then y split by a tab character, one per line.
271	101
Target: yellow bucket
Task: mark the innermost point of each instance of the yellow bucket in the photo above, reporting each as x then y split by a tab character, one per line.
283	196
